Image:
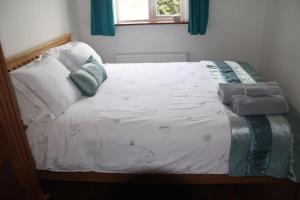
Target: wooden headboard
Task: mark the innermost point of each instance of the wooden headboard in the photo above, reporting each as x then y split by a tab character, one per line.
28	56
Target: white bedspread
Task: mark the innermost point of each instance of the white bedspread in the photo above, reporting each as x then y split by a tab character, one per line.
163	118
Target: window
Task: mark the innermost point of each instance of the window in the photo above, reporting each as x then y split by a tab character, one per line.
139	11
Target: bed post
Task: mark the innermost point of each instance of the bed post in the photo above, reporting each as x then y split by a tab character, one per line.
20	161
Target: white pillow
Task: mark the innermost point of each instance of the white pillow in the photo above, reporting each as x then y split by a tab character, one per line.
59	55
29	112
49	80
79	54
56	51
31	107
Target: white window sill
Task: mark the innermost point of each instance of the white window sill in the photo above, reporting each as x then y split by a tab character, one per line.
150	23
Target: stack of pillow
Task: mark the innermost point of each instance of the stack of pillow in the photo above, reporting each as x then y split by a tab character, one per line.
254	99
47	87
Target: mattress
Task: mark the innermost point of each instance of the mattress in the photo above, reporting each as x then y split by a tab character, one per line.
162	118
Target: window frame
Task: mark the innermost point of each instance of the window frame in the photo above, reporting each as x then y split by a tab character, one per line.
153	17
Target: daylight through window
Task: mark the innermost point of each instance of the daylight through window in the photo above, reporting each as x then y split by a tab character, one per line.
130	11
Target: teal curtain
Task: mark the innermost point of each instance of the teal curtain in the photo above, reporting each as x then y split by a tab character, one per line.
198	16
102	17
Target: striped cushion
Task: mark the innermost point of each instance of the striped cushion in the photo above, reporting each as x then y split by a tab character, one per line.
89	77
92	60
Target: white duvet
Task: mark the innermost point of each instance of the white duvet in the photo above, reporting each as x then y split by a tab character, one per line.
163	118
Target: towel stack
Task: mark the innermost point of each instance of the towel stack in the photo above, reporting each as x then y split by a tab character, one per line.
254	99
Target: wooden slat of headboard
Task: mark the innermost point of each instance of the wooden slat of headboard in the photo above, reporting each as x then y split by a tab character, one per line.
28	56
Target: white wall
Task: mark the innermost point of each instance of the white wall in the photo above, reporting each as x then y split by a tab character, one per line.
234	33
280	59
27	23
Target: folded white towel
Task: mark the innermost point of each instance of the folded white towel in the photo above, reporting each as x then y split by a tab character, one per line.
257	91
227	90
264	105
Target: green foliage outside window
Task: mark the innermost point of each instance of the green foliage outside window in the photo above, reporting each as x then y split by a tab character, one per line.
168	7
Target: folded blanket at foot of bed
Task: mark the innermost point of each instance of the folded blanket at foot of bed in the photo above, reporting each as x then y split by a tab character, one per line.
262	145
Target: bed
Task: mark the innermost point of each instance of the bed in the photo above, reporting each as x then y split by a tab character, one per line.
131	131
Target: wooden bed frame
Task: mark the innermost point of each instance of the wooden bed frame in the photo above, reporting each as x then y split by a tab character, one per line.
21	59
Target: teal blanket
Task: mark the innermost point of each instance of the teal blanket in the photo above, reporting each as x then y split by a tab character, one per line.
264	145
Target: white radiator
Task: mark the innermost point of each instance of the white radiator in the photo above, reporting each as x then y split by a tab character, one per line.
152	57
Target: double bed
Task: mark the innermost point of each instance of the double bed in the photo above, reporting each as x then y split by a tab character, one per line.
147	122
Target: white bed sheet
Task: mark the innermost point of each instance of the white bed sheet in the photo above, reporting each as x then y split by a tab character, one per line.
163	118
